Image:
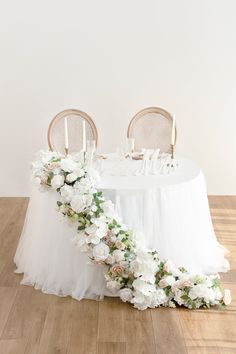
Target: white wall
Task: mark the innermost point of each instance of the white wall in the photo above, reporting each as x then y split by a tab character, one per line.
112	58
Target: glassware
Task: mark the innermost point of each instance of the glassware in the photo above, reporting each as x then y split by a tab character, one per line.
130	146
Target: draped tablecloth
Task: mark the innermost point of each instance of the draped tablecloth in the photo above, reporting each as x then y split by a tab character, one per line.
168	212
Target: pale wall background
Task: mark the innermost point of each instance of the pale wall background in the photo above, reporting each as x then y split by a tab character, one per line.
112	58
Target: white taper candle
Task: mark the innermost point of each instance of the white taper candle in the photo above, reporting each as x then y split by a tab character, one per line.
84	135
66	133
173	131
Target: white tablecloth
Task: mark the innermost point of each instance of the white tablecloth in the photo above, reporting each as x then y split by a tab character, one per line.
168	212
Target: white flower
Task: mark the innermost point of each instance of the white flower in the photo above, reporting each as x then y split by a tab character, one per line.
144	266
126	294
85	185
227	297
118	255
67	192
144	287
178	297
100	252
71	177
158	298
113	285
57	181
80	202
110	259
167	281
68	164
202	291
99	228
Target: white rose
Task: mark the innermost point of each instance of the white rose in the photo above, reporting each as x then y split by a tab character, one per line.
118	255
68	165
113	285
126	294
57	181
227	297
80	202
100	252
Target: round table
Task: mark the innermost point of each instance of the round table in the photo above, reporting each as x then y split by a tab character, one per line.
168	212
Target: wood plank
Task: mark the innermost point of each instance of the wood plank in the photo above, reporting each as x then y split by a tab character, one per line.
7	297
168	332
27	317
112	348
57	328
83	337
111	321
13	346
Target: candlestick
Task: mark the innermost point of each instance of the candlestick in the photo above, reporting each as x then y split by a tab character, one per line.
84	135
66	134
173	131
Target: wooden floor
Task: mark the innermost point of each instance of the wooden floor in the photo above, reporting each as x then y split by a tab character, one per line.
32	322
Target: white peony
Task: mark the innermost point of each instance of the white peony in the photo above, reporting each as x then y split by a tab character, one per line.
80	202
227	297
100	252
113	286
118	255
126	294
68	164
57	181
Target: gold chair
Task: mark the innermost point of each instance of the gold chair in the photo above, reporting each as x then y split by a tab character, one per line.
151	128
56	130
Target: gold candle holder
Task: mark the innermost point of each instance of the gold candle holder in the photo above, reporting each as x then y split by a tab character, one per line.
66	151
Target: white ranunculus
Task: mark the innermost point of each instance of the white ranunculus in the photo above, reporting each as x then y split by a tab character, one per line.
126	294
113	285
67	192
100	252
227	297
57	181
144	287
80	202
68	164
118	255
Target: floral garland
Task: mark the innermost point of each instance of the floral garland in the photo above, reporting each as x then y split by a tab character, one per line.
136	274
